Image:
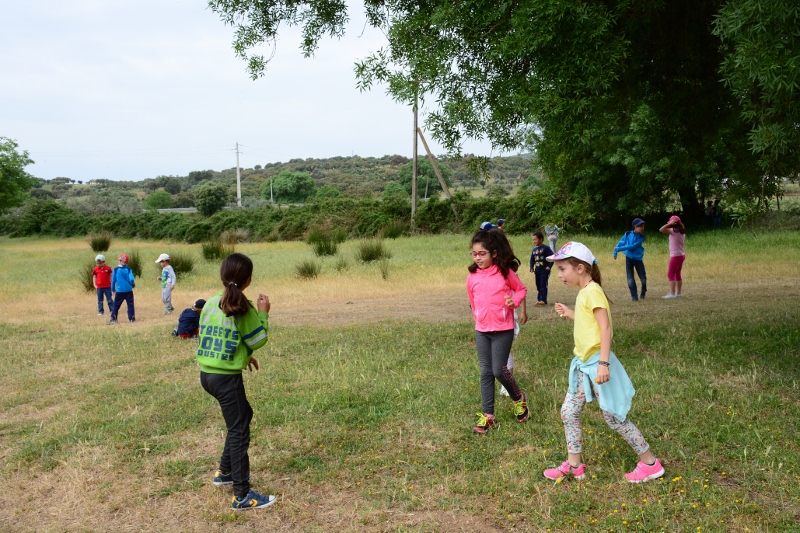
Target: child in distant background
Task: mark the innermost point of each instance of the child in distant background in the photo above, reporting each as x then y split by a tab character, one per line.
631	245
540	267
501	224
101	278
677	236
551	230
122	284
167	279
189	321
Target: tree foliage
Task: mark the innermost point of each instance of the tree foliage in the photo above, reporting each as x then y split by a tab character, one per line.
621	101
158	200
427	182
290	187
14	181
211	197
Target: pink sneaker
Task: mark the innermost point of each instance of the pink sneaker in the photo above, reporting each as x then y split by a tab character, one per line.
564	470
644	472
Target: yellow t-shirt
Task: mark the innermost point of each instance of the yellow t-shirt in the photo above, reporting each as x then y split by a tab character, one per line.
587	331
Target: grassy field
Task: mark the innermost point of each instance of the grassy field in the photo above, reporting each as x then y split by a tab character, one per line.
366	398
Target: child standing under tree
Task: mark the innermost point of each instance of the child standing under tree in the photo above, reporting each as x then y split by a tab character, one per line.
631	245
677	236
101	278
551	230
122	284
595	372
494	291
167	279
230	329
540	267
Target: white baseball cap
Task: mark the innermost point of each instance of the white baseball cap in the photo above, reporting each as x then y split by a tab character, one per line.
162	257
576	250
100	257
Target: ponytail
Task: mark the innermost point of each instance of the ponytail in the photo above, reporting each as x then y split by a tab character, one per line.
593	270
235	272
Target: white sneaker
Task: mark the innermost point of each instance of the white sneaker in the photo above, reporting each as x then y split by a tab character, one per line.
503	391
668	296
679	296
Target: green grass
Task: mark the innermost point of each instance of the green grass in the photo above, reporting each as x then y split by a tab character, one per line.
366	426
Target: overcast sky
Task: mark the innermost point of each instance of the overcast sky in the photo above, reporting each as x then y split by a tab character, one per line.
136	89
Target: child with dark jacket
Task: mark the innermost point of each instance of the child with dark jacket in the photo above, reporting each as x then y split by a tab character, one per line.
540	267
631	244
189	321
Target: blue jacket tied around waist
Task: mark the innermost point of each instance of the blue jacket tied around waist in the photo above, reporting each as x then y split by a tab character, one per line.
615	394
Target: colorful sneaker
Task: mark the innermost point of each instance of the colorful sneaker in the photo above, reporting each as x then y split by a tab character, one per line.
644	472
540	303
253	500
485	423
565	470
222	479
503	391
521	408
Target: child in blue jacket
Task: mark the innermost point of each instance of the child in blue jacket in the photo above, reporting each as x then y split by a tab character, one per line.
631	244
122	284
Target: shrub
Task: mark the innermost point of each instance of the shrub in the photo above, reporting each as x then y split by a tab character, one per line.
100	242
135	262
308	269
233	236
372	250
214	249
85	276
341	264
182	264
393	230
325	242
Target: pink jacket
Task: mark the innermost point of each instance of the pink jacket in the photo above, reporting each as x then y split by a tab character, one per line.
487	290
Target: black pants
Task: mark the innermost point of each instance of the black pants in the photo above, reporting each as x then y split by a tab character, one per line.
542	279
236	410
630	265
493	349
126	297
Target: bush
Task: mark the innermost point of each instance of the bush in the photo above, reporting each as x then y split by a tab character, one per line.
372	250
182	264
393	230
86	276
135	262
100	242
308	269
341	264
324	242
211	197
215	249
233	236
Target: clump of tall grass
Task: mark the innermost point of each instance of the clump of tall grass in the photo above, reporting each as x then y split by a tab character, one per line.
325	241
393	230
234	236
100	242
308	269
135	262
372	250
215	249
341	264
385	269
86	276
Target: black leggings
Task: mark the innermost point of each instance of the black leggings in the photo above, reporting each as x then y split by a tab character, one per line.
493	349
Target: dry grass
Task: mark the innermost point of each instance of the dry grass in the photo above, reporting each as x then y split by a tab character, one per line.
62	363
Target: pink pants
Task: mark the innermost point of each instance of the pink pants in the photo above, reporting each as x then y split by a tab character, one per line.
675	267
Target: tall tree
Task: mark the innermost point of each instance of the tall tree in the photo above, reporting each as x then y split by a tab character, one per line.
621	100
14	181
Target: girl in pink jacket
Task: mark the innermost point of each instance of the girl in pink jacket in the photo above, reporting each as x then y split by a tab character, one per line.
494	291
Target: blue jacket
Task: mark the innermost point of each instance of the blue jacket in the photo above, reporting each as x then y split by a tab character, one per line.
615	394
122	279
631	245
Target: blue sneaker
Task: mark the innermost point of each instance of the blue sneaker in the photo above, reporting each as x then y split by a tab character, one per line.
253	500
222	479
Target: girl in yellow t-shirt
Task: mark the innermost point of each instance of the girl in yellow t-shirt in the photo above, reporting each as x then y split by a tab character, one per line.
595	372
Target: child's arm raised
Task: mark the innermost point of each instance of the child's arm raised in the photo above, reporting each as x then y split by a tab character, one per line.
564	311
601	315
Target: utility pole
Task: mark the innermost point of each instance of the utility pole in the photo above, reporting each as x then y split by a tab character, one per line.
238	178
271	199
414	163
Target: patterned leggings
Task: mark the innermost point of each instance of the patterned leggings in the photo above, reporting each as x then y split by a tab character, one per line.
571	415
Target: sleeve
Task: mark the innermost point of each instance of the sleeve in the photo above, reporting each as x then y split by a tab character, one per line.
520	291
532	254
596	299
253	328
114	280
173	279
131	277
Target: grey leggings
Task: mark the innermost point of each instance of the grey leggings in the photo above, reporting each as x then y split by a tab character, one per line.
493	349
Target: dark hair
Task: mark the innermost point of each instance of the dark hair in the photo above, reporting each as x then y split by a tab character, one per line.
496	243
235	271
678	225
538	235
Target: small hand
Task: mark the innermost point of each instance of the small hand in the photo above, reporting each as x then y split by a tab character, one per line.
523	318
509	301
563	310
263	304
602	375
252	364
